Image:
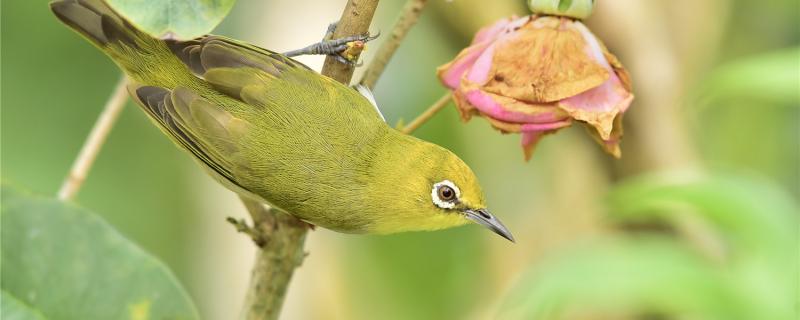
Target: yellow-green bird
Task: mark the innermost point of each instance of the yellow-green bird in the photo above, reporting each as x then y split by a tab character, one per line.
270	128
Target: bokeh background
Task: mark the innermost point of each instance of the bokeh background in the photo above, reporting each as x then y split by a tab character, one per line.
716	85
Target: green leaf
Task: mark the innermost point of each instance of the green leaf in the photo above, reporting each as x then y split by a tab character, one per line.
66	263
175	19
616	277
754	215
756	221
13	309
771	76
663	277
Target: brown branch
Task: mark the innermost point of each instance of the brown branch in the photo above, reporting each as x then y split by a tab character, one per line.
355	20
279	238
408	18
83	163
284	235
428	114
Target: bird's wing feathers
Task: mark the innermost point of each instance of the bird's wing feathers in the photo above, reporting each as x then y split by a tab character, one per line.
200	126
237	69
208	52
260	77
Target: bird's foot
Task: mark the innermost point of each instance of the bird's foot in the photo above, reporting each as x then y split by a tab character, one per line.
346	50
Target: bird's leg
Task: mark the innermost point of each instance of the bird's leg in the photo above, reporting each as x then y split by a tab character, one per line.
345	50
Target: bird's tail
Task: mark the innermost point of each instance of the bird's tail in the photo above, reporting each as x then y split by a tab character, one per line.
133	50
96	21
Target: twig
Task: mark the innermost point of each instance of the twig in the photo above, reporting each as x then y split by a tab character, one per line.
283	234
242	226
408	18
428	114
80	168
280	238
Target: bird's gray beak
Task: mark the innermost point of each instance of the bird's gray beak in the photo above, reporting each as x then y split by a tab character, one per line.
486	219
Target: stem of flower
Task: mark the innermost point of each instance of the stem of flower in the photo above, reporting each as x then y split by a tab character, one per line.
428	114
83	163
405	20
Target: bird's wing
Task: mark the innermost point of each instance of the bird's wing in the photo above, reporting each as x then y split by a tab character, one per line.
237	69
198	125
260	77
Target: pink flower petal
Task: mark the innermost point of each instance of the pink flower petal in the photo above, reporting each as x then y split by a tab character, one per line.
451	73
529	138
529	141
490	32
488	104
608	97
600	105
451	76
479	72
539	127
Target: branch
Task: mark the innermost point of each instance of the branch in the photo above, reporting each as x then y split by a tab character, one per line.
408	18
283	234
428	114
108	117
279	238
355	20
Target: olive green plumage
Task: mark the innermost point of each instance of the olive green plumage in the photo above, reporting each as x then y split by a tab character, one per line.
270	128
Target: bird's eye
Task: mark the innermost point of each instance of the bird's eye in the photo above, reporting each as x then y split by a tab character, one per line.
446	193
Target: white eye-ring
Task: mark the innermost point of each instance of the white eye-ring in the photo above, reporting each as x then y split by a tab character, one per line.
445	194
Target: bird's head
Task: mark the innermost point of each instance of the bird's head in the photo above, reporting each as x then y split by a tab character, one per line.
435	189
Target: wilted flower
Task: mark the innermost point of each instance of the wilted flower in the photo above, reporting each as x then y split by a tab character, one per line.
535	75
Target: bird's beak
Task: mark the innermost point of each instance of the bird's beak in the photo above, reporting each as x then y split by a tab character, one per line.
486	219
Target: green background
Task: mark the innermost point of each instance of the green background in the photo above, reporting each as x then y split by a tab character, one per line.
54	85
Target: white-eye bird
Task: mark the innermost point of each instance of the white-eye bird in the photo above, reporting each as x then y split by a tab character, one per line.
270	128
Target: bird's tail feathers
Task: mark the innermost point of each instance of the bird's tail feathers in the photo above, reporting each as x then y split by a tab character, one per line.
96	21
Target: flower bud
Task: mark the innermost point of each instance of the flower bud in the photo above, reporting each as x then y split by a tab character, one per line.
535	75
578	9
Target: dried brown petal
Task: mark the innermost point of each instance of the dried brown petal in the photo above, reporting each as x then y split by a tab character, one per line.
545	61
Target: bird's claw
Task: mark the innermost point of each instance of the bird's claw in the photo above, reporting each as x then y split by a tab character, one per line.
345	50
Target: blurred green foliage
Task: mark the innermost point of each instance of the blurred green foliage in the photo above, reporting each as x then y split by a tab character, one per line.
179	19
13	309
653	274
65	263
138	182
743	118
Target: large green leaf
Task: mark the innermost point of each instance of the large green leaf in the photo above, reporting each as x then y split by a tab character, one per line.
752	215
13	309
66	263
176	19
613	277
755	220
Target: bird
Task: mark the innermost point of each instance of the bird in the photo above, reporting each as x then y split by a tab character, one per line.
271	129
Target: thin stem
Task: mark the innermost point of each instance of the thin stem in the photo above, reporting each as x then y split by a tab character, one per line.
408	18
428	114
283	234
83	163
